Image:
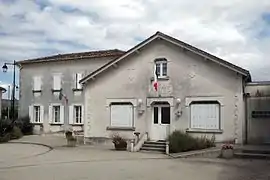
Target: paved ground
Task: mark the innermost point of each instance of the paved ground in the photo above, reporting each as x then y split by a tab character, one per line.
24	162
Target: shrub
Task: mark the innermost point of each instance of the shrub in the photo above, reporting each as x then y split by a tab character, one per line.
5	138
181	142
16	133
25	125
119	142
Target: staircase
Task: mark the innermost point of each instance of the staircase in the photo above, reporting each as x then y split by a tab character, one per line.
156	146
253	154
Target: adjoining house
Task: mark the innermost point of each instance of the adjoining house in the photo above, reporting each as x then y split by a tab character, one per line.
50	92
2	90
162	85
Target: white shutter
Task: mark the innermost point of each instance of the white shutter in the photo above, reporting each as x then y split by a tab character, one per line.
122	115
57	82
82	114
71	118
79	77
205	116
62	114
50	115
31	113
37	83
41	114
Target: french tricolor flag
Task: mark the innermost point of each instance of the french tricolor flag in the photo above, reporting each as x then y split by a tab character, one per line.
155	83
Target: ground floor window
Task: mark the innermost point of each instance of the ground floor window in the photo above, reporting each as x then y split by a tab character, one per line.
78	114
121	115
56	114
36	114
205	115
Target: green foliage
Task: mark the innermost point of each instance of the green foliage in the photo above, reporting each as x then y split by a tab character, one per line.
25	125
16	133
182	142
119	142
5	138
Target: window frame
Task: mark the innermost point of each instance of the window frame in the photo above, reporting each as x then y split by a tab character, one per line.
78	86
34	113
205	103
161	62
55	84
132	126
53	114
74	114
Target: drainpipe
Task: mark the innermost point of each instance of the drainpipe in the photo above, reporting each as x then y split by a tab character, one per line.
245	96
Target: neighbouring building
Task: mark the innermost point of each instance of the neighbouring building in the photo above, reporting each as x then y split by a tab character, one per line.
50	92
2	90
197	93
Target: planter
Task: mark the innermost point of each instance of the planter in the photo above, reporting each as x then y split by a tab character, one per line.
120	146
227	153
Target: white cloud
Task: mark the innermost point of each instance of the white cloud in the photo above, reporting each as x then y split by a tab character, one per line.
229	29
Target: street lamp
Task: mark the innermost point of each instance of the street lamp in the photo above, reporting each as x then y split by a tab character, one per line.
5	68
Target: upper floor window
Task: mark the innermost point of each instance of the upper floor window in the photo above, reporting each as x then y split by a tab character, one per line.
37	83
78	77
161	67
56	81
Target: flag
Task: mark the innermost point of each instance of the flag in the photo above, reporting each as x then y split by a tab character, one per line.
62	95
155	84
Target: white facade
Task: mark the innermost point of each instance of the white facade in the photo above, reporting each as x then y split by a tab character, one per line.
195	95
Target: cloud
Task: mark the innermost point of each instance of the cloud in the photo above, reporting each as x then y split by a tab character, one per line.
236	30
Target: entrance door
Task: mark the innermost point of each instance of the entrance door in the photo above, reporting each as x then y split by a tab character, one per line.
160	122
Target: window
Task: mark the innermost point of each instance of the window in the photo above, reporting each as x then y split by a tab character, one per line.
57	82
260	114
205	115
78	77
78	114
161	68
56	114
36	114
121	115
37	83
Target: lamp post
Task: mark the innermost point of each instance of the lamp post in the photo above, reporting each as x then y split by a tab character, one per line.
5	68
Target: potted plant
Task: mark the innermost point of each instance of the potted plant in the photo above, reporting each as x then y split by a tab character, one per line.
71	141
119	142
227	151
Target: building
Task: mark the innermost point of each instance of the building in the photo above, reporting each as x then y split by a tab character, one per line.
50	92
196	92
2	90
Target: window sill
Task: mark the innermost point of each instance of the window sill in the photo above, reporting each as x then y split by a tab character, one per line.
37	123
121	128
75	89
216	131
163	78
36	91
56	90
56	124
78	124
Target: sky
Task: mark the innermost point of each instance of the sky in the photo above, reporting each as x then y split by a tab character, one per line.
235	30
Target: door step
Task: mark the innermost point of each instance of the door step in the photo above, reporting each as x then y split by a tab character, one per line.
157	146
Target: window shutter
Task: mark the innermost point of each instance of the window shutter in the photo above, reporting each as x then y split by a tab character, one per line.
37	83
122	115
62	114
41	113
50	115
57	82
82	114
79	77
71	118
31	112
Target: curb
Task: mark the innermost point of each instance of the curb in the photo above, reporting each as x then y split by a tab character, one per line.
32	143
198	153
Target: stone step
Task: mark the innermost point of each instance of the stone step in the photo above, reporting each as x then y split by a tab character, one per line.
154	145
251	155
155	142
153	149
255	151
